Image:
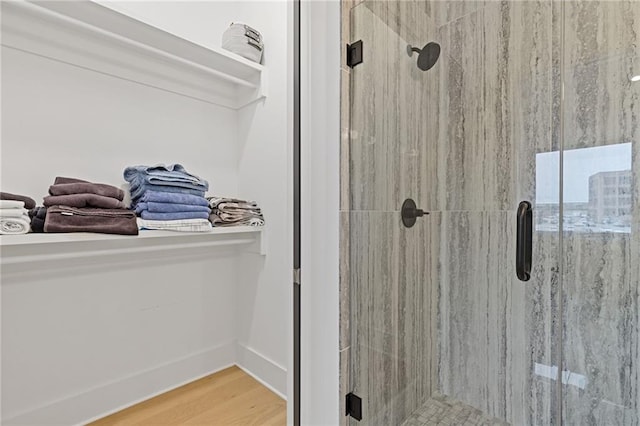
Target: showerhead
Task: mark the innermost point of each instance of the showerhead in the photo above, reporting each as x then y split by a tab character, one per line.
427	56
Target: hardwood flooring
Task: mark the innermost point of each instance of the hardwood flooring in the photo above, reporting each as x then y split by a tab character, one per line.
229	397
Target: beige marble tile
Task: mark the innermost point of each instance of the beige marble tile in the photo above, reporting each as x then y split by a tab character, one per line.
393	278
444	411
494	328
345	125
600	54
446	11
600	322
495	99
345	293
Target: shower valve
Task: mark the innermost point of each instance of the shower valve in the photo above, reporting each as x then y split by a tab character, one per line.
410	212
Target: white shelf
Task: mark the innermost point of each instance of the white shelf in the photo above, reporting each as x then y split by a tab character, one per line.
35	248
94	37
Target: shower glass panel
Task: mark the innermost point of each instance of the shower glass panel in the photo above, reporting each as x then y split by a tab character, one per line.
601	213
441	328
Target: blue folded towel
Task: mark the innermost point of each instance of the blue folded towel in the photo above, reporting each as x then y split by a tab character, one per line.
138	193
161	178
170	208
161	172
174	197
173	216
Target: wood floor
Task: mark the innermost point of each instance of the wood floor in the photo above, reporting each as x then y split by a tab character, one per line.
229	397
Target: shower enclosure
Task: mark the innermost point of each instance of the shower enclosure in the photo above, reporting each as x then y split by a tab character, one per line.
526	101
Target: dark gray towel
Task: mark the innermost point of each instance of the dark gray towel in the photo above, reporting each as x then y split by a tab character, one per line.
29	202
87	188
104	221
62	179
84	200
38	216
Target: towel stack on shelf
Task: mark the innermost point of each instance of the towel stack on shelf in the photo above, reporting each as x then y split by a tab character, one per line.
243	40
234	212
168	198
14	218
76	205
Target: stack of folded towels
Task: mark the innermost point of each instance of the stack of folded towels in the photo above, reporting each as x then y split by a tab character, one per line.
243	40
168	198
234	212
76	205
14	216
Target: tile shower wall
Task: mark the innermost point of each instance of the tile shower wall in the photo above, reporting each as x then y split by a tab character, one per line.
496	97
452	139
437	308
600	257
392	278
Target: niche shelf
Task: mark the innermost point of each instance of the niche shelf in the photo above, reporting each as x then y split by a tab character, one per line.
36	248
94	37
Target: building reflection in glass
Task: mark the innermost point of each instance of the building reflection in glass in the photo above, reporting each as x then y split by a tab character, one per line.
597	190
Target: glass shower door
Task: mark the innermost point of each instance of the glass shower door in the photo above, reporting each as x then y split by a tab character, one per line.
601	213
441	328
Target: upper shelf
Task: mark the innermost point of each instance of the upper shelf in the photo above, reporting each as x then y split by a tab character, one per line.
37	248
92	36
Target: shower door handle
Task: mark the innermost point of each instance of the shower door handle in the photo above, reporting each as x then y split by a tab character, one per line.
524	240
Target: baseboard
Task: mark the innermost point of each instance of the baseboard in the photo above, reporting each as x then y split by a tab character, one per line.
266	371
117	395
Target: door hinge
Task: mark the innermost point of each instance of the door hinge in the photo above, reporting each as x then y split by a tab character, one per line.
354	406
354	53
296	276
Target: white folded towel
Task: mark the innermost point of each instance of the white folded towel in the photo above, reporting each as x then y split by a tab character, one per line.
244	41
11	204
181	225
14	212
14	225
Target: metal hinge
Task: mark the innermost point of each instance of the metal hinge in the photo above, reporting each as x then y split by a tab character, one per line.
354	53
296	276
354	406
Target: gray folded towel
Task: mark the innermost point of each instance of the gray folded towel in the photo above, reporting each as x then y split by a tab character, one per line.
29	202
104	221
87	188
84	200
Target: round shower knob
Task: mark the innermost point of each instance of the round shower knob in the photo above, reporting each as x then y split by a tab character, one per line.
410	213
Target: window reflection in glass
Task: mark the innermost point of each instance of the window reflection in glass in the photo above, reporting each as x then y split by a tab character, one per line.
597	188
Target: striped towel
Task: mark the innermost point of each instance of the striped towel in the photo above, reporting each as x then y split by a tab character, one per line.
184	225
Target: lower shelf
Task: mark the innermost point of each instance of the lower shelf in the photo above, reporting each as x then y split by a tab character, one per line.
33	248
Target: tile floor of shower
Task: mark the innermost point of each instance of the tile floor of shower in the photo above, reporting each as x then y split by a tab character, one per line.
441	410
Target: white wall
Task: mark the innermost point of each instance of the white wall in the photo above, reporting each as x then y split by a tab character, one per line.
264	311
320	82
58	120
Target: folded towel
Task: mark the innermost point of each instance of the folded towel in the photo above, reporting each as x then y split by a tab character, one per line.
83	200
105	221
61	180
174	197
174	216
38	216
234	212
162	175
14	225
185	225
14	213
10	204
223	202
217	221
170	208
244	41
138	193
86	188
29	202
